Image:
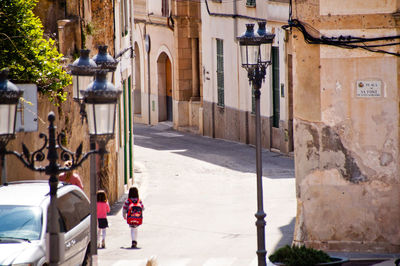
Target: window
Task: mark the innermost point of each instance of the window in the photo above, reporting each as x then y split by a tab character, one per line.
73	209
250	3
165	8
220	72
275	86
20	222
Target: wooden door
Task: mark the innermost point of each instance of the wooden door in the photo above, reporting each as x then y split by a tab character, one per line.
168	79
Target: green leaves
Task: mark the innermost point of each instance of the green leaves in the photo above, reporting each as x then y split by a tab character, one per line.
299	256
30	57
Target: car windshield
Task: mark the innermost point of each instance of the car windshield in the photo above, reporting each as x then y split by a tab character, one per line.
20	222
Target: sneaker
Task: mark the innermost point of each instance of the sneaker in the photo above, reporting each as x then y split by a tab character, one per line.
103	244
134	244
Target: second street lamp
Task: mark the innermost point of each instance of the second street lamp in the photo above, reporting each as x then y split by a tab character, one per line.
86	67
255	51
82	71
100	99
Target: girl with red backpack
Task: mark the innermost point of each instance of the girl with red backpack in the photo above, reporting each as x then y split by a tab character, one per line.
132	213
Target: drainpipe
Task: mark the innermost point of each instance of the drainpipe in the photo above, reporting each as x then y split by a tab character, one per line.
195	70
148	84
132	64
235	21
147	46
235	33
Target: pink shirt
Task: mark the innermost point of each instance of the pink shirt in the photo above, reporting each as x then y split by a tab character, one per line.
102	209
74	179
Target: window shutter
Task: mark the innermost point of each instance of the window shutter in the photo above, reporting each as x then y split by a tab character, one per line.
220	72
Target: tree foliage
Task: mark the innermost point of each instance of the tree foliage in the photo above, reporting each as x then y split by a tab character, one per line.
23	49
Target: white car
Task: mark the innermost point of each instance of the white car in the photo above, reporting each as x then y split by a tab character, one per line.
24	219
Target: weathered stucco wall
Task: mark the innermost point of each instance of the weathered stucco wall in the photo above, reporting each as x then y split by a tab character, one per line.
346	144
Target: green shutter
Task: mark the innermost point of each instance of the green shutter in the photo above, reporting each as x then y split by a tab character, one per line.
130	127
275	87
220	72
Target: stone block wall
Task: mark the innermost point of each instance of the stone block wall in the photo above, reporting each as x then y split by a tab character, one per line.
346	141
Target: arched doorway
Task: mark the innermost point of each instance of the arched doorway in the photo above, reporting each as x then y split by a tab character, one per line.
164	70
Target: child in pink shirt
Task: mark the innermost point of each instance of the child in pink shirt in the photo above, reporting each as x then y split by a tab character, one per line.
70	177
102	209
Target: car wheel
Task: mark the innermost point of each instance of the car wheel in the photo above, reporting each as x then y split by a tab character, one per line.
87	261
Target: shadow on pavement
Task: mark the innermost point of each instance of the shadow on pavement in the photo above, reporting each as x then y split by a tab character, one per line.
117	206
287	234
236	156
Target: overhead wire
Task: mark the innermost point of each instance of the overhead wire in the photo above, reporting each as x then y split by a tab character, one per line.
348	42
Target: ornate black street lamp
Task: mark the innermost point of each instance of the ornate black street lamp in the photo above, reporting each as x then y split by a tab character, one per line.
8	95
105	60
255	49
82	71
9	98
98	104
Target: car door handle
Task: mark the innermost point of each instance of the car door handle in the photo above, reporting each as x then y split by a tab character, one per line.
70	243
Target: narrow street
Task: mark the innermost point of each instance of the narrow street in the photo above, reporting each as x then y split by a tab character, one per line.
200	199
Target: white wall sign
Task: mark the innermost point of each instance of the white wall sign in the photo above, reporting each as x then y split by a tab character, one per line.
27	109
369	88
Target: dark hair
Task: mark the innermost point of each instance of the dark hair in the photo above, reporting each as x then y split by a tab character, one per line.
133	193
101	196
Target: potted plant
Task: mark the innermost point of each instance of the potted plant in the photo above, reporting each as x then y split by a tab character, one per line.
303	256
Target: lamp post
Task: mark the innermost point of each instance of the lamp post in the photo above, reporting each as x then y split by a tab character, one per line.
100	99
255	49
9	95
92	106
9	98
82	71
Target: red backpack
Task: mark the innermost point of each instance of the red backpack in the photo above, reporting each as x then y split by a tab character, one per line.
135	213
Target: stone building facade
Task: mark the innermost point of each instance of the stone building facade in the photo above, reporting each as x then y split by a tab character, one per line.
228	101
167	84
76	25
346	124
